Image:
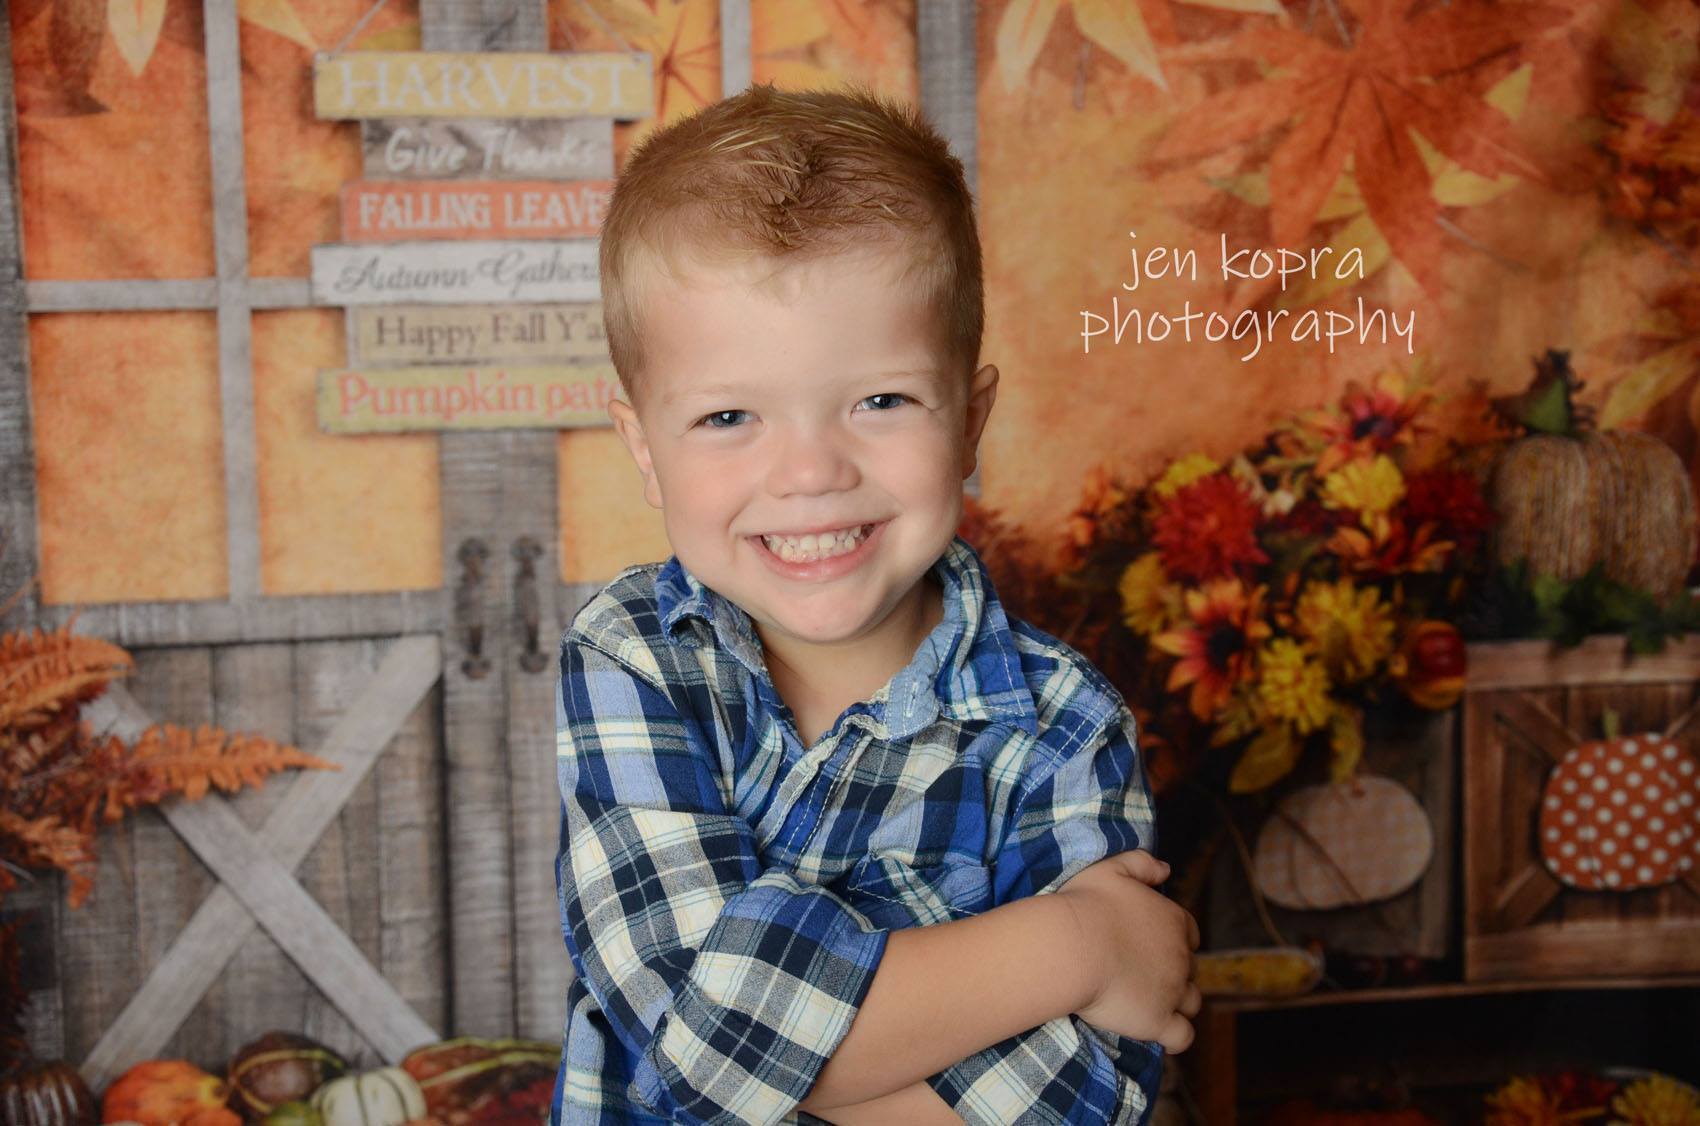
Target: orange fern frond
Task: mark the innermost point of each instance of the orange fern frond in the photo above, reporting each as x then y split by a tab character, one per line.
45	671
49	842
187	762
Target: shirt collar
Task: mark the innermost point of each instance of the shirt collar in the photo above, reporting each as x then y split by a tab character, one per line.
968	667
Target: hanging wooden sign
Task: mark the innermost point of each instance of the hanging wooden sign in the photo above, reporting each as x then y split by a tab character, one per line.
397	336
563	148
456	273
394	211
357	84
378	400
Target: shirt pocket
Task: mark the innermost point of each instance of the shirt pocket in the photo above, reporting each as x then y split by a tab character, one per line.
895	894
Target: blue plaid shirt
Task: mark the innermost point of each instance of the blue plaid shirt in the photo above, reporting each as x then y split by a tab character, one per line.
726	892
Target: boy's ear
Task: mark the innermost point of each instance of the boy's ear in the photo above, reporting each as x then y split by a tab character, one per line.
626	424
982	393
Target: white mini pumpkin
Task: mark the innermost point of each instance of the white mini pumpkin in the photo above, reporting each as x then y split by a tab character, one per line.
388	1096
1345	844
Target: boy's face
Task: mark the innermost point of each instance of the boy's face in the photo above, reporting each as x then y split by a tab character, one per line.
819	401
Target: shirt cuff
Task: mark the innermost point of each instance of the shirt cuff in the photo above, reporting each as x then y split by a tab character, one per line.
1059	1071
772	993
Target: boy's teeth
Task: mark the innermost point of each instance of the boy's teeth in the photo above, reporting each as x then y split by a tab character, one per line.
800	549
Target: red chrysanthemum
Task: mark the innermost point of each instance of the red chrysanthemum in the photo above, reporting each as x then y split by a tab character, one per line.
1453	502
1207	529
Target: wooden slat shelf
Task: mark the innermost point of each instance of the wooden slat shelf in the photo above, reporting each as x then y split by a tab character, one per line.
1442	990
1212	1064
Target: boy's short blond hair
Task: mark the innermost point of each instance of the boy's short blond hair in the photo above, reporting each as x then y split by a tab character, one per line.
781	177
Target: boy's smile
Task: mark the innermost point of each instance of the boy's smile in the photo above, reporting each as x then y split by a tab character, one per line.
806	440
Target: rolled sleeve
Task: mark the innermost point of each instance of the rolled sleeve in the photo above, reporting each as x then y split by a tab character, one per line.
1093	804
728	987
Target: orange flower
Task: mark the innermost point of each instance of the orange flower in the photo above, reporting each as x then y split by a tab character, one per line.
1370	420
1215	648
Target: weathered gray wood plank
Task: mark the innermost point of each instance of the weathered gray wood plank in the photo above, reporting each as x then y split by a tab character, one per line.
734	46
110	296
413	938
144	624
38	904
946	52
235	331
478	471
163	877
262	989
483	25
542	968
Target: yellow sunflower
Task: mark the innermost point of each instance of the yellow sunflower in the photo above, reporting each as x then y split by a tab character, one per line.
1293	687
1351	628
1150	602
1215	647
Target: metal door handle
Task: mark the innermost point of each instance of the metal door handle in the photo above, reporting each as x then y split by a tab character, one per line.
527	551
469	606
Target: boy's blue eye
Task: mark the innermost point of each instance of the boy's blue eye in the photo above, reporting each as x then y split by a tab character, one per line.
886	395
710	419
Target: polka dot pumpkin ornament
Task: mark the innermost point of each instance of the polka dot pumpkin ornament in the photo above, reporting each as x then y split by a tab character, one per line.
1621	813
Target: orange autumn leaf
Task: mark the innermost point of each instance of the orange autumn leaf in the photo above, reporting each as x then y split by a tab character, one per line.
1361	104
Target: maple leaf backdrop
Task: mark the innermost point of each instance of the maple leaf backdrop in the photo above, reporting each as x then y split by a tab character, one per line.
1505	177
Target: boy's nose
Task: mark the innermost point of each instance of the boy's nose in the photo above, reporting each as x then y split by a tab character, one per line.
812	461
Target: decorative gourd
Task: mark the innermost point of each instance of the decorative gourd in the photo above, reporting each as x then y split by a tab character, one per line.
294	1114
34	1093
277	1068
168	1093
1568	496
1263	971
489	1082
1431	664
1345	844
388	1096
1621	813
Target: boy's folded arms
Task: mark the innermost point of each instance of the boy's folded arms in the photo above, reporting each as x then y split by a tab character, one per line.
1105	946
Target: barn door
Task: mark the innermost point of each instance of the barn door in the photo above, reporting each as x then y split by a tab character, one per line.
409	895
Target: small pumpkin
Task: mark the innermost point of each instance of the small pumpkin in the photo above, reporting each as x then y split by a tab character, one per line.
168	1093
1621	813
277	1068
51	1093
1569	496
1430	665
387	1096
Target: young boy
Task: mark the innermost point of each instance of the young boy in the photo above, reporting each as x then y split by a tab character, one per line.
815	782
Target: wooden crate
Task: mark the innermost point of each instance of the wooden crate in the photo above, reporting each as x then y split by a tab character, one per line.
1526	704
1419	754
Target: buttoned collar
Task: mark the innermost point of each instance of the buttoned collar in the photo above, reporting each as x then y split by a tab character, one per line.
967	668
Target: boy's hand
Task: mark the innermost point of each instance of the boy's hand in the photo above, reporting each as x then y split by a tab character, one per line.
1140	945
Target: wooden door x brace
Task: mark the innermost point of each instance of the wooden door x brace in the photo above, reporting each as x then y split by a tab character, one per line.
257	885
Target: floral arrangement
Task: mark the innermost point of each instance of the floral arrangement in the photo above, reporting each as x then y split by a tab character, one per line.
1264	602
1651	1099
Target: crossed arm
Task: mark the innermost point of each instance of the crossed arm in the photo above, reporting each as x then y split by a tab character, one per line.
733	989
